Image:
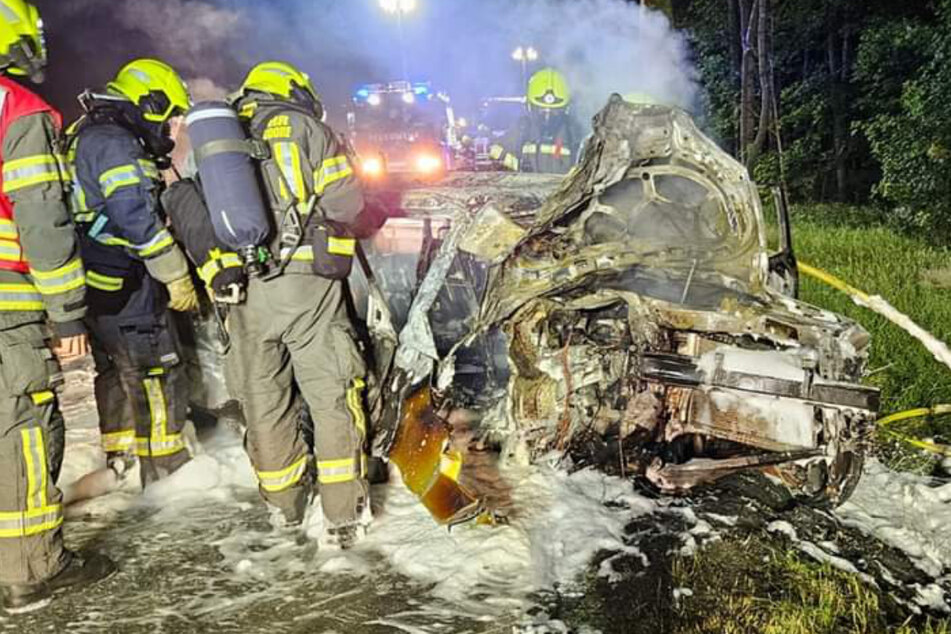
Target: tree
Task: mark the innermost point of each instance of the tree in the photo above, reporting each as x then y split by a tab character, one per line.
749	61
908	122
793	72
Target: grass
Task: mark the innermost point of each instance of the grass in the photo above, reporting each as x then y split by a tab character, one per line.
788	594
901	269
930	626
914	276
741	583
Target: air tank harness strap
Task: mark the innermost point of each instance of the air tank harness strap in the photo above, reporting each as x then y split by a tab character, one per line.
292	228
257	150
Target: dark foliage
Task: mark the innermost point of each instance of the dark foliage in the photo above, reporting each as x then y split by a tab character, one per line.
862	87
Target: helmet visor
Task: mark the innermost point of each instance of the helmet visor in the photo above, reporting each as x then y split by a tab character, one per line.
157	106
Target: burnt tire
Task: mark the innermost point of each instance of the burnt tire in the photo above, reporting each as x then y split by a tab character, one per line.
848	472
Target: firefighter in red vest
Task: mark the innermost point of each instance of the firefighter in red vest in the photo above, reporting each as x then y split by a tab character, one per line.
42	284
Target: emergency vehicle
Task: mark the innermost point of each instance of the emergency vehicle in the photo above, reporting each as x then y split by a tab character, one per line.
402	129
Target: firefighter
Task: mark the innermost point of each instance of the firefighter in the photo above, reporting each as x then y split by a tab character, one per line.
544	140
292	340
135	270
41	279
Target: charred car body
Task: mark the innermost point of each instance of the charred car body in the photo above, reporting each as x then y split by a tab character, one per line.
646	327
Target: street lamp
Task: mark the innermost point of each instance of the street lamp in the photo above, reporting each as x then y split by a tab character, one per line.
399	7
524	55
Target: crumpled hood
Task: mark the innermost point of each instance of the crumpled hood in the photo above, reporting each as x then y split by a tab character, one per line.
679	201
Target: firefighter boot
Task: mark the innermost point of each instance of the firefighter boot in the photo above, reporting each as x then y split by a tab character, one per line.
80	572
342	537
346	535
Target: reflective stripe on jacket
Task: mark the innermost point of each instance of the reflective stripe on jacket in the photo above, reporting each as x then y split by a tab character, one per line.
534	146
40	269
306	160
116	203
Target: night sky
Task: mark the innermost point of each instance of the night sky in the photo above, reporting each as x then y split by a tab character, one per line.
462	47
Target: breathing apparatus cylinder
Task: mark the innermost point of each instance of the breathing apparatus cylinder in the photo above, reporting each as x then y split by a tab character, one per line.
229	180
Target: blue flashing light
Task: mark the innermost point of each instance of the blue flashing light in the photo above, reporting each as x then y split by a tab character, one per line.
365	92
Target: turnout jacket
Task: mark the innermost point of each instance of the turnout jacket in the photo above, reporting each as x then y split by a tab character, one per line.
40	268
115	202
535	145
306	159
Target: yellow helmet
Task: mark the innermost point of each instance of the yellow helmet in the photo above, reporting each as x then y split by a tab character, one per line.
22	46
548	89
154	87
279	79
642	99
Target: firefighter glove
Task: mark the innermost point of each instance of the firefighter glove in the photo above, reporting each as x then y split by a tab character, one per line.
183	297
229	284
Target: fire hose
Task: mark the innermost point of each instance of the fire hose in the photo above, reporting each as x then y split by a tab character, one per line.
935	346
921	412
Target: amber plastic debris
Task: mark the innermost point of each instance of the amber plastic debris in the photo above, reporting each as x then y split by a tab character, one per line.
429	471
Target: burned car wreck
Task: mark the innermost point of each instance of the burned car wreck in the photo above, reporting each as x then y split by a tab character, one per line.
643	324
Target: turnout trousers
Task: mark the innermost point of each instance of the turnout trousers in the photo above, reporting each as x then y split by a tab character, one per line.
141	385
293	343
32	437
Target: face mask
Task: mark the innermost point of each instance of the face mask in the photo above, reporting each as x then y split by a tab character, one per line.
157	138
551	117
304	98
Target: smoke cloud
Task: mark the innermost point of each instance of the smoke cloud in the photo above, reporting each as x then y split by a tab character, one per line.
462	46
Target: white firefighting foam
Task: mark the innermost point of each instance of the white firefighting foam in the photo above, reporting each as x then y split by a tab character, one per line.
908	512
204	533
556	524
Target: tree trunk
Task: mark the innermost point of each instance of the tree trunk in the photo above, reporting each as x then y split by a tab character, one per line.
764	56
736	38
843	139
748	9
838	74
